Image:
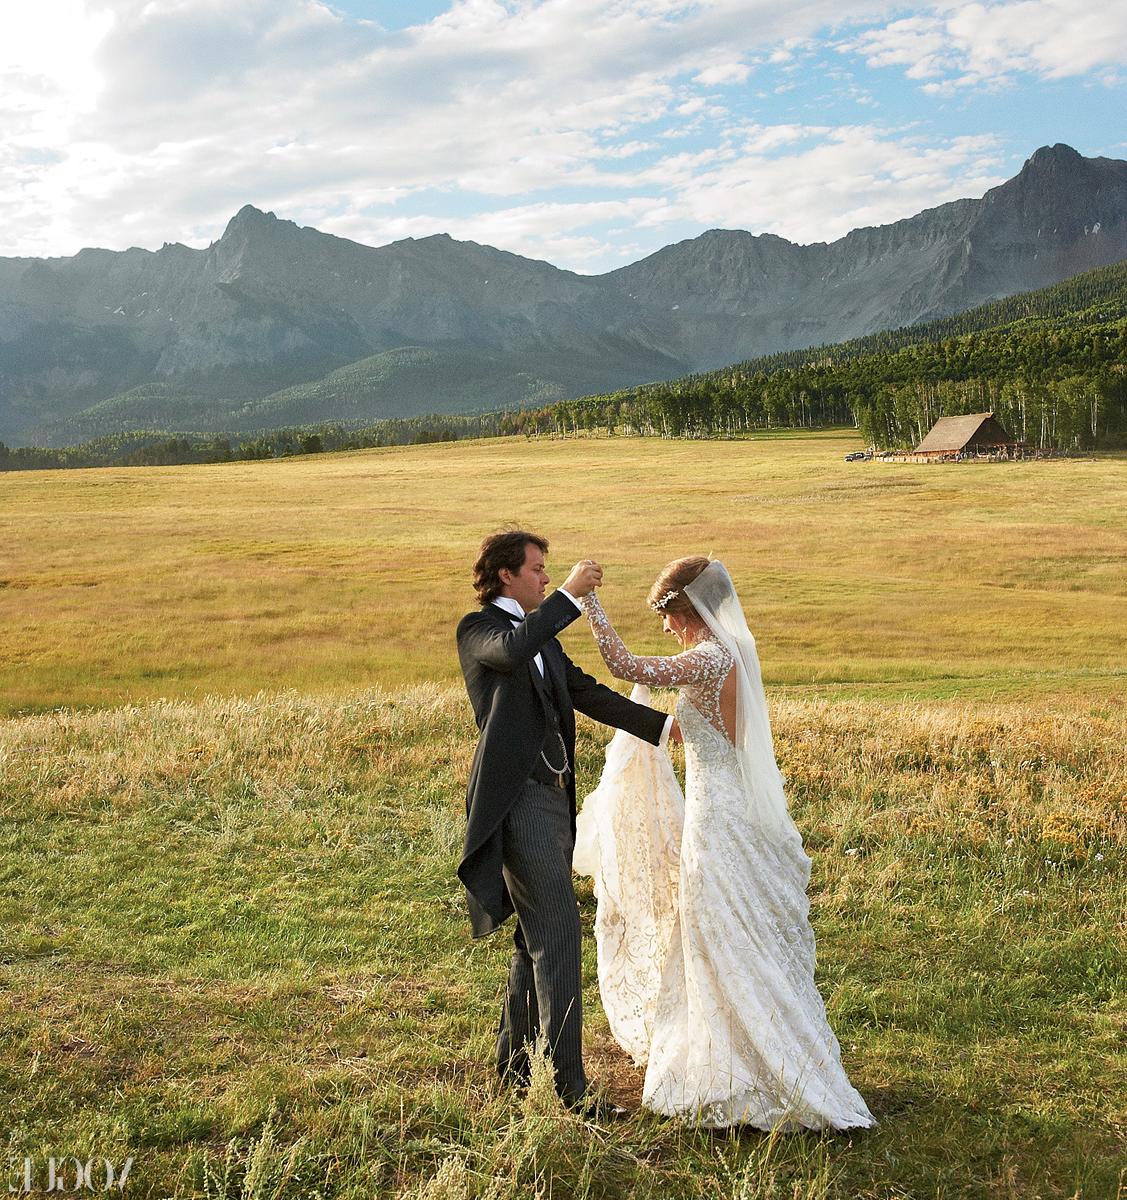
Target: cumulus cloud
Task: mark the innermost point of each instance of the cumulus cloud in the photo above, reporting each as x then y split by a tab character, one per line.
730	72
830	180
549	127
559	232
835	180
975	45
167	115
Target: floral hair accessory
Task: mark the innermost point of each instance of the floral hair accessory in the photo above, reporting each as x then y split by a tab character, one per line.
660	603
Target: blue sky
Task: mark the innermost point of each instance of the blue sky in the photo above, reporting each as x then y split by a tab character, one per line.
585	132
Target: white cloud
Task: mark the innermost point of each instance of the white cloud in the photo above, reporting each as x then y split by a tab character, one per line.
552	231
840	180
961	45
538	126
914	42
724	73
162	117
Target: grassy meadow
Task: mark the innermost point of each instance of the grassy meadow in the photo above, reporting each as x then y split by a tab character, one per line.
231	774
334	572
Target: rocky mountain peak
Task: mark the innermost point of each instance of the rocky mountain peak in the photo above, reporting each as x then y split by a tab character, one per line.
251	223
1049	174
258	242
1049	159
1058	184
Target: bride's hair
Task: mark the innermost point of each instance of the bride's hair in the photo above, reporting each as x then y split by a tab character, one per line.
668	592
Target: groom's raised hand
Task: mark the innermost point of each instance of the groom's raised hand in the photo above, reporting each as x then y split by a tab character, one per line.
584	578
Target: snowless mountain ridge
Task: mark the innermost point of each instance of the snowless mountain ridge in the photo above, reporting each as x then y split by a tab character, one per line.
257	330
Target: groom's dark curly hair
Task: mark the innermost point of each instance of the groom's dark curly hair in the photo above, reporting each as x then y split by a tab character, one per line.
503	551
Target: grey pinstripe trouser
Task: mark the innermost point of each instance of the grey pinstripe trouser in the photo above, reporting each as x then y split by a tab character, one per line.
545	986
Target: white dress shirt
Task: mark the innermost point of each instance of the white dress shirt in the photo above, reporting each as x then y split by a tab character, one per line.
515	610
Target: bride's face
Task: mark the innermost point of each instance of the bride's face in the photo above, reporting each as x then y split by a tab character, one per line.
674	624
687	629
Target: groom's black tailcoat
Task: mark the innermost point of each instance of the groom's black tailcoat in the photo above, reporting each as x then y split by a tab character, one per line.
510	700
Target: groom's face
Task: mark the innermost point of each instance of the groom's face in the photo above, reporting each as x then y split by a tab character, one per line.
527	585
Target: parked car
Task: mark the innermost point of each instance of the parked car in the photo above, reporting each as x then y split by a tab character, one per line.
856	456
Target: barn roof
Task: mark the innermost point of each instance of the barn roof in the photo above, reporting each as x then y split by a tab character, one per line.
953	433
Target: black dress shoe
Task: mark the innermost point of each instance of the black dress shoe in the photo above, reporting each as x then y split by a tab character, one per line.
598	1109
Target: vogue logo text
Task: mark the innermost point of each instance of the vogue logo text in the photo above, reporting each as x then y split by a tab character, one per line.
68	1174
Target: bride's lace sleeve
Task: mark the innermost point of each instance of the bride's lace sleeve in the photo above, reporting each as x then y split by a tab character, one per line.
705	662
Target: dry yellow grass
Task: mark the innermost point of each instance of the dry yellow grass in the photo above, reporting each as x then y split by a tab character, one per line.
335	572
863	771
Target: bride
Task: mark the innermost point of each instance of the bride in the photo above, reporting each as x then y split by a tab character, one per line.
706	955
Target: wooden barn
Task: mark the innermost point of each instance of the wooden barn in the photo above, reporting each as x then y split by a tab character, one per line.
976	435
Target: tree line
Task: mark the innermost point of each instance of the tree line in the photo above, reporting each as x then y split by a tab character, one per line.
155	448
1053	385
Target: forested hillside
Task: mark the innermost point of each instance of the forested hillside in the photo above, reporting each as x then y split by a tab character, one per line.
1052	364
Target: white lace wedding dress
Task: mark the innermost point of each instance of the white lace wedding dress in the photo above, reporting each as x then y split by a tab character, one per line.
706	955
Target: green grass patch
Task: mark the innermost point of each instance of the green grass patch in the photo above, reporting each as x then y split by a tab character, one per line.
232	946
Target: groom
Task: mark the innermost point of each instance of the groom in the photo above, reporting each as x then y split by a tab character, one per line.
521	796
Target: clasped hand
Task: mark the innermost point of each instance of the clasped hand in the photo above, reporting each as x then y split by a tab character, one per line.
585	576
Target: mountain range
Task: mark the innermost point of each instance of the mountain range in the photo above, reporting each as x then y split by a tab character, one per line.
275	324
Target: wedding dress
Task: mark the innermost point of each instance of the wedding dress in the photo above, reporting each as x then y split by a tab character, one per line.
705	951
